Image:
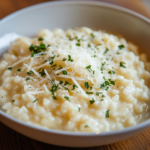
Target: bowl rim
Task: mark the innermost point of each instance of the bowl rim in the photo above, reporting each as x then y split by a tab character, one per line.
70	133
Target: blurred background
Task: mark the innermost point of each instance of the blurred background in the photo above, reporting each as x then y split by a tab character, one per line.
9	6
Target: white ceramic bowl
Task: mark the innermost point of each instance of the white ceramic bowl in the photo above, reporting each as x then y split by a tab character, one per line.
65	15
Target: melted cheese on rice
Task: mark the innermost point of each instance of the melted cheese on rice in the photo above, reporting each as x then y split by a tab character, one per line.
75	80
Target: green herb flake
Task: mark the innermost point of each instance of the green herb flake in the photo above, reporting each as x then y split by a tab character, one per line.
122	64
78	44
103	95
107	114
102	100
86	126
60	67
117	52
27	78
35	100
89	45
40	39
10	68
106	50
54	97
79	109
97	93
69	58
92	101
104	86
88	68
13	100
111	82
64	72
37	49
66	82
19	70
74	86
30	72
32	54
121	46
92	35
61	82
89	92
67	98
111	72
51	62
42	73
54	65
86	84
64	59
54	88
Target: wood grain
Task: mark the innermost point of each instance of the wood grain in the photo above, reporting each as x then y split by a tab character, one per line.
11	140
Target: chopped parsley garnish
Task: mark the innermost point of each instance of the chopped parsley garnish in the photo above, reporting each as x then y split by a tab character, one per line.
54	65
37	49
117	53
103	95
51	62
65	88
111	82
40	39
32	54
52	58
54	88
27	78
102	67
19	70
10	68
88	68
69	58
92	35
97	93
122	64
79	109
61	82
86	126
102	100
35	100
64	72
78	44
93	71
111	72
89	45
54	97
66	82
64	59
13	100
60	67
107	114
67	98
92	101
30	72
86	84
52	81
89	92
42	73
106	50
104	86
121	46
74	86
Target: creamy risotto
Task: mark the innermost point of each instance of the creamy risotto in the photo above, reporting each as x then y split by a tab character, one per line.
75	80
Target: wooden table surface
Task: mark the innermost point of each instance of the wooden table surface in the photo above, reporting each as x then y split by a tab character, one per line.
11	140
